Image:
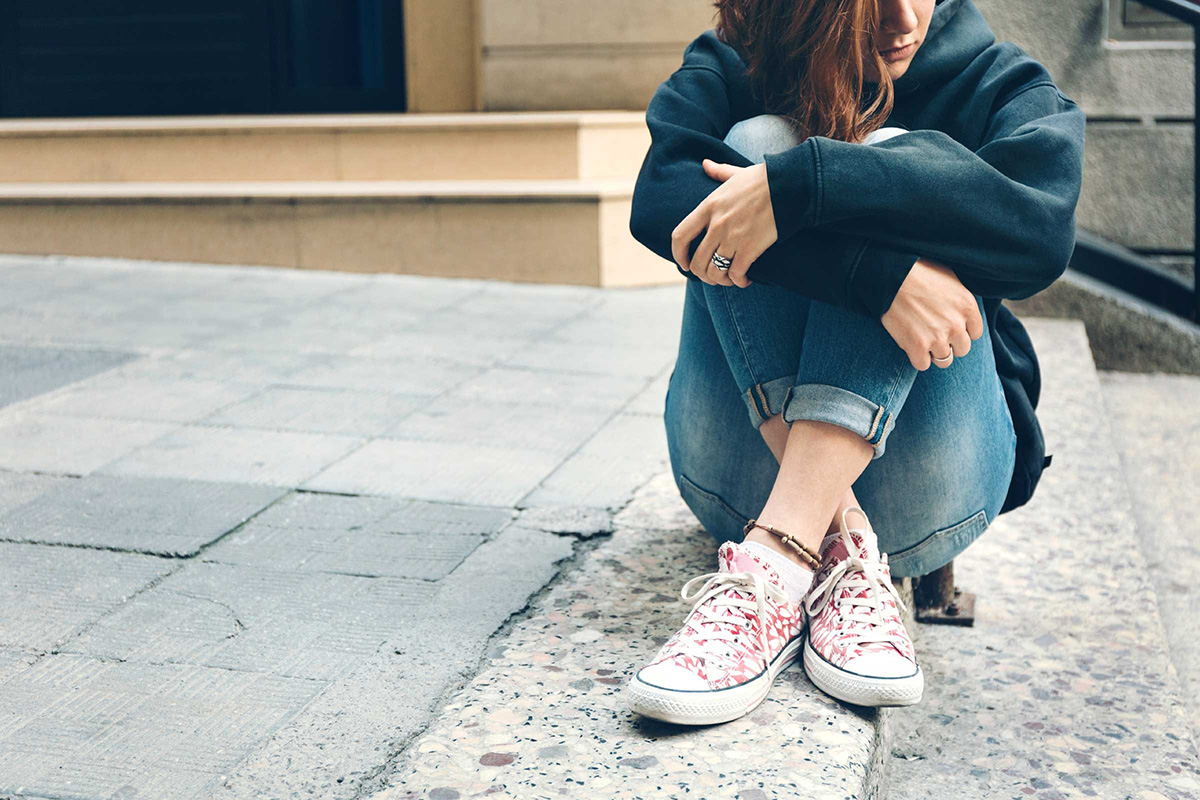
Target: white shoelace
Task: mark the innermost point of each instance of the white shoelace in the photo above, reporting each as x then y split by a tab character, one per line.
858	574
716	583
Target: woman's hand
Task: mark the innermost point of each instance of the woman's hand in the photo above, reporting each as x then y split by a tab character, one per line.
933	314
740	223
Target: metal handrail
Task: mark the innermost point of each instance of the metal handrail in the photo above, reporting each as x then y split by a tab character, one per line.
1185	10
1189	12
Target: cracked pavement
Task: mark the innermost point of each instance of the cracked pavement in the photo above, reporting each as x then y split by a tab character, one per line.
258	524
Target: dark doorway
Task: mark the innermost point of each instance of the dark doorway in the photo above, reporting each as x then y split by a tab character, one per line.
150	57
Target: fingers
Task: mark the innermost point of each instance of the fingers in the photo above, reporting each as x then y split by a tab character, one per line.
956	345
738	269
961	342
974	321
685	233
920	359
702	264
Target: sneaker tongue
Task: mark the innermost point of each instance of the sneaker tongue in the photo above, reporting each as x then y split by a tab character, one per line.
866	546
731	557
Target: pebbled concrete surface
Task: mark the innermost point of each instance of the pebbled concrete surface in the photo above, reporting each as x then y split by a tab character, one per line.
546	715
1157	435
1064	687
256	524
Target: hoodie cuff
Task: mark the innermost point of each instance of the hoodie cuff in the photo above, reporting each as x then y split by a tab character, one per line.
794	178
877	276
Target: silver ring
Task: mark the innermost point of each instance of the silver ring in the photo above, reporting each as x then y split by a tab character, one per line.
944	359
721	262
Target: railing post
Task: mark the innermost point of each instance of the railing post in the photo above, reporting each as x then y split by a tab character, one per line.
939	602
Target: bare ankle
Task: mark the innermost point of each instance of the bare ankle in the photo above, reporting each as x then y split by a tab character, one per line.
775	543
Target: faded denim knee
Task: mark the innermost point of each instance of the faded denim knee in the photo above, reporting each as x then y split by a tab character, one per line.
756	136
772	133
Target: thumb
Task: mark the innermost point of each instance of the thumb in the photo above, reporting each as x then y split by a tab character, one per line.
721	172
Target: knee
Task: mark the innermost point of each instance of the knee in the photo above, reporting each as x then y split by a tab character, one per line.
756	136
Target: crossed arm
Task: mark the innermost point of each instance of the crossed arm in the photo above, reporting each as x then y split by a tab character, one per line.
1002	217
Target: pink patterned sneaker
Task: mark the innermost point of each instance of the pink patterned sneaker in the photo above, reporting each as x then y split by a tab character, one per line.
857	648
740	634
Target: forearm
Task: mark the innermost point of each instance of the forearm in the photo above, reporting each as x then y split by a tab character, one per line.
1002	217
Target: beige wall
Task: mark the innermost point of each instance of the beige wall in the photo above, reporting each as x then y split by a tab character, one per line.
545	55
441	55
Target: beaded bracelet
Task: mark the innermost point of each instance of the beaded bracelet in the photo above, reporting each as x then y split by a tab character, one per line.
808	556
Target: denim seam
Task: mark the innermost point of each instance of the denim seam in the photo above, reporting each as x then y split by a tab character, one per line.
887	404
766	406
761	413
715	498
865	400
756	415
737	329
940	535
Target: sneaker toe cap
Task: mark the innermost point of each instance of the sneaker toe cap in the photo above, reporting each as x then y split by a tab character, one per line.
669	675
881	665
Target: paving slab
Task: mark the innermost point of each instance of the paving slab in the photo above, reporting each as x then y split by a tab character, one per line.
232	455
605	471
444	471
70	445
49	595
365	553
349	738
653	399
561	390
18	488
1063	688
26	280
284	622
403	374
452	347
156	399
353	412
501	424
601	358
157	516
436	519
232	365
83	727
32	370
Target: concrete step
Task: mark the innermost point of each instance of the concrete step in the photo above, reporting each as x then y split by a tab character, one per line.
519	196
1158	440
1064	687
324	147
572	231
546	716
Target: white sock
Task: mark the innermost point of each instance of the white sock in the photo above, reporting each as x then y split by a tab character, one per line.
797	578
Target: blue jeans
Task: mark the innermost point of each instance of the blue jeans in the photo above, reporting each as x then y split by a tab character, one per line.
943	439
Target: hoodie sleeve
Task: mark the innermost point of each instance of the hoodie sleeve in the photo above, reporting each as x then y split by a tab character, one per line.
1002	217
688	116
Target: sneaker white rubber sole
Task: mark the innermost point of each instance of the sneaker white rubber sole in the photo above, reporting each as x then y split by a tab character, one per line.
861	690
711	706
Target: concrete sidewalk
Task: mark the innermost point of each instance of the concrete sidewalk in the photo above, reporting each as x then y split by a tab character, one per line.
267	533
256	524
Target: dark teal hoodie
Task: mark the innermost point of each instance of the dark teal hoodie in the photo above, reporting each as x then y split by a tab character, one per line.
985	182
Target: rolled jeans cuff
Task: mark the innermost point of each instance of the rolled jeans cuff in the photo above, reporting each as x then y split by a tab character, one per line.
767	399
833	404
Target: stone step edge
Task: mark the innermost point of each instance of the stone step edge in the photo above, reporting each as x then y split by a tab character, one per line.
497	190
319	123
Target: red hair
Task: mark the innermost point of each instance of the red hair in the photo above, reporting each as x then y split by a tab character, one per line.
807	59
